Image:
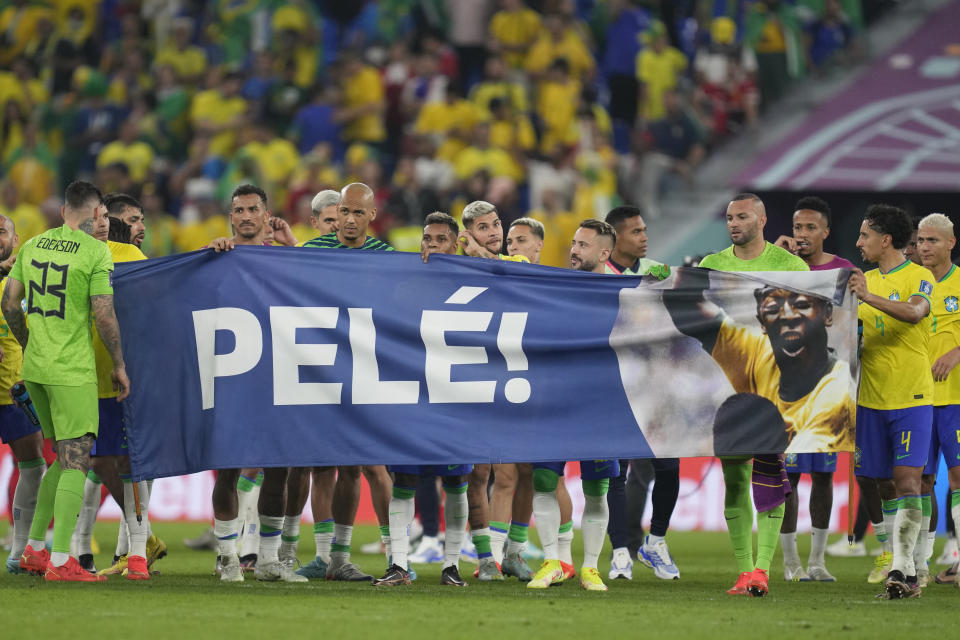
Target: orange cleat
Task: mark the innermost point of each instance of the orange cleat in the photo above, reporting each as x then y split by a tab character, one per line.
136	568
740	589
34	562
568	570
71	572
758	583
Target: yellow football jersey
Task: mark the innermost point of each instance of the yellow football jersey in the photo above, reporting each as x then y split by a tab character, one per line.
12	364
820	421
895	369
121	252
945	334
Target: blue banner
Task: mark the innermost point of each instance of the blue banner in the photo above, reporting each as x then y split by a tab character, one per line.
294	357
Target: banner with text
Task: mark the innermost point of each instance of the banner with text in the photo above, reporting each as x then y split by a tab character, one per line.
295	357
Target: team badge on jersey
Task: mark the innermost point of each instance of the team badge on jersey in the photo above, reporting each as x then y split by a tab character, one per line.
857	457
926	287
895	296
790	459
950	303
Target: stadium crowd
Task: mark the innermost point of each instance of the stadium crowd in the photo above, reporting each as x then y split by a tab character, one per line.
540	123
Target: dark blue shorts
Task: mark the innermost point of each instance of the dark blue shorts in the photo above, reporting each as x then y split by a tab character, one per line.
810	462
112	437
892	438
14	423
944	437
433	469
589	469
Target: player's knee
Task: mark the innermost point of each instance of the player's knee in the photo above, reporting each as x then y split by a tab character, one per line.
350	473
545	480
505	478
596	488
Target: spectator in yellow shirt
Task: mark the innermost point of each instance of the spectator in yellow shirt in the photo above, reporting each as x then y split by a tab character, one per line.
495	84
560	226
136	154
18	28
27	217
560	40
189	61
557	99
480	156
364	102
276	157
513	29
658	68
219	111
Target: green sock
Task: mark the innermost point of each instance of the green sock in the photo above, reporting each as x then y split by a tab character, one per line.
738	512
46	496
518	531
768	533
67	507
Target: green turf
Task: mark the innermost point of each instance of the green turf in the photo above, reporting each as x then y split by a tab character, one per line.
185	601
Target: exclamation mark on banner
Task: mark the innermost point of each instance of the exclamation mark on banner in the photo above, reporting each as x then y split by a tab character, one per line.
510	343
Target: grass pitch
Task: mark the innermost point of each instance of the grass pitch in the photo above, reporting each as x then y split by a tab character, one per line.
185	601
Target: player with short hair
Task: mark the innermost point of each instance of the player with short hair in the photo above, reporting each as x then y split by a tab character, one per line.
935	241
812	220
20	433
629	258
511	499
525	237
746	217
64	273
356	209
894	413
129	210
440	233
590	249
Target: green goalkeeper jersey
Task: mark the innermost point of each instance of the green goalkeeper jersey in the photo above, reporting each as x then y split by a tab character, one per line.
60	269
773	258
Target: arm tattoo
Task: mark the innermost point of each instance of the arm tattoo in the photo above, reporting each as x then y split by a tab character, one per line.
75	453
86	226
107	326
13	314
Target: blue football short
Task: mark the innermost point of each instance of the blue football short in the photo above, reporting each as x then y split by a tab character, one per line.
589	469
14	423
944	437
892	438
112	437
433	469
810	462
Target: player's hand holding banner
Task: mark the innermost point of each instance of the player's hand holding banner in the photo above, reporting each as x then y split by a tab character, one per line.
315	359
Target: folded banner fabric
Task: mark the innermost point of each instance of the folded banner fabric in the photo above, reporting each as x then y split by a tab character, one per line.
284	357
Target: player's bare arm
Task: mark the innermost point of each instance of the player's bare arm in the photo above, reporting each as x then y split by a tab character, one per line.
109	330
13	312
913	310
945	364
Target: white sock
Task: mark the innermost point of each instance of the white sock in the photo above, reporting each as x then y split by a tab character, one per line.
226	532
889	525
24	504
546	512
123	538
652	539
818	545
322	540
788	542
88	517
955	514
401	515
58	558
250	517
36	545
136	530
270	529
498	539
920	548
145	499
564	542
455	522
514	547
906	527
290	538
596	515
387	546
931	540
340	548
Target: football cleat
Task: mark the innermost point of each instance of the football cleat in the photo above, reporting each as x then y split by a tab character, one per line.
948	575
621	565
13	566
549	573
468	552
315	570
34	562
531	552
880	568
277	571
590	579
156	549
950	554
248	562
488	571
136	568
657	557
819	574
230	569
394	577
514	565
569	571
86	561
71	571
795	574
740	588
428	551
206	541
347	572
451	576
119	564
843	549
758	584
897	587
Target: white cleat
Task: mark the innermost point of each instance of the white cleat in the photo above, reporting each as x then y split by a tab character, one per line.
277	571
428	551
843	549
819	574
621	564
657	557
950	554
230	569
795	574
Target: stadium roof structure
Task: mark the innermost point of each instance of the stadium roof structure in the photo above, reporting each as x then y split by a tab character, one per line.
897	128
